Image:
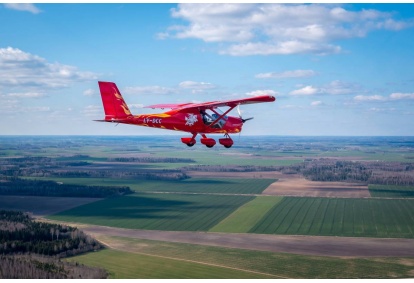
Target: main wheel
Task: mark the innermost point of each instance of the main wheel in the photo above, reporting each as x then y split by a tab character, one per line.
190	144
209	146
227	146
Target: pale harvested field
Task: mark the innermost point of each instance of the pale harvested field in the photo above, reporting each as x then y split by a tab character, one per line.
294	185
258	174
305	245
301	187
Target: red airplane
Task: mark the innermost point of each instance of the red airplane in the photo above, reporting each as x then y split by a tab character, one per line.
195	118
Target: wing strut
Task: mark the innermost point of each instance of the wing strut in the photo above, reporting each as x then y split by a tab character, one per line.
220	116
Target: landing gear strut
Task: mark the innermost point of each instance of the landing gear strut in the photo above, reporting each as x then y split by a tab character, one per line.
227	142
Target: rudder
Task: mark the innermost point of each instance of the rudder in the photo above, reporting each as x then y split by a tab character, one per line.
114	105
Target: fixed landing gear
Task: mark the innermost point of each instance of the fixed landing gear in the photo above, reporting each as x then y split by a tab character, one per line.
208	142
227	142
189	141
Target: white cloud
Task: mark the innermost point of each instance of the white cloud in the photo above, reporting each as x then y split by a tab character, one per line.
280	48
149	90
287	74
262	92
22	69
196	87
399	96
38	109
375	109
392	97
135	106
89	92
26	7
93	110
338	88
316	103
334	88
361	98
290	106
27	94
266	29
307	90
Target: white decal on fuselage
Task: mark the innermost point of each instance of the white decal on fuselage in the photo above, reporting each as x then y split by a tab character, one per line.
191	119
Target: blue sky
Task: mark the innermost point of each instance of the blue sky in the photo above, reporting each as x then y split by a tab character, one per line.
338	69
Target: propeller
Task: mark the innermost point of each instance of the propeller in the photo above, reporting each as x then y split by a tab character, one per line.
240	116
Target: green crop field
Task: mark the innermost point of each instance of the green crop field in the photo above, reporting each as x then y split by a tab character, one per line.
265	215
246	216
390	191
125	265
340	217
193	185
280	265
211	185
40	206
175	212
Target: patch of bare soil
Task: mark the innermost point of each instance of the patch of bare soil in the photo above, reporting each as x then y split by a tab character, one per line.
306	245
295	185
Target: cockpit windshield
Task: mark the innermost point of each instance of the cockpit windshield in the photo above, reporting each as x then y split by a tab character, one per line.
211	115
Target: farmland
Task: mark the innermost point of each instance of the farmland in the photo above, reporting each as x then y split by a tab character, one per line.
339	217
177	212
263	215
391	191
125	265
276	187
193	185
276	265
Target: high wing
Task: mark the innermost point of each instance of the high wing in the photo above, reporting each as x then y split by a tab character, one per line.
214	104
170	106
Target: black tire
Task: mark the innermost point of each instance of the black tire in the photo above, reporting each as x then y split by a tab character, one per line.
209	146
190	144
227	146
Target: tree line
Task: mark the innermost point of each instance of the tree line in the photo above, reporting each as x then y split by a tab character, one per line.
35	267
20	234
18	186
369	172
31	249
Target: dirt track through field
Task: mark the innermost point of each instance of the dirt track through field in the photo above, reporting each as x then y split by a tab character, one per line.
305	245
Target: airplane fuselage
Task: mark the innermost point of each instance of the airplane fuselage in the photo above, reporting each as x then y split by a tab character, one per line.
190	121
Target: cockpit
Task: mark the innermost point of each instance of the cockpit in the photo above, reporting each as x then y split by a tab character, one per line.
209	116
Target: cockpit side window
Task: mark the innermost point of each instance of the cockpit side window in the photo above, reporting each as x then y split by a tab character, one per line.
209	117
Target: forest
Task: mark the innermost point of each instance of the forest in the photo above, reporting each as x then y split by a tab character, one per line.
18	186
31	249
368	172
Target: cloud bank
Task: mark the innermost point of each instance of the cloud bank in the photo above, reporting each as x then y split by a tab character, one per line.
271	29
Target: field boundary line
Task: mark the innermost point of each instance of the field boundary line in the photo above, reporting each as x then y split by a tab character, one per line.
193	261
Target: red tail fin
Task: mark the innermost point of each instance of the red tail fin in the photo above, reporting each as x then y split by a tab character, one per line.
113	103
